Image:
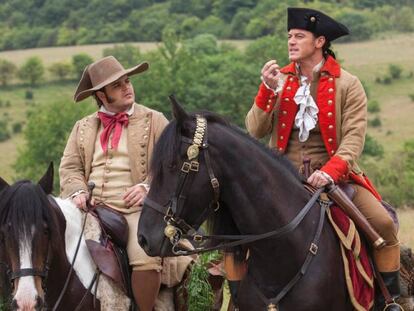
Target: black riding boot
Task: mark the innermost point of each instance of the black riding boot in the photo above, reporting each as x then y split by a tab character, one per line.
234	291
392	282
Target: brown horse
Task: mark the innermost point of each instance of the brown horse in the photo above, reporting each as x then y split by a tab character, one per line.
249	190
34	262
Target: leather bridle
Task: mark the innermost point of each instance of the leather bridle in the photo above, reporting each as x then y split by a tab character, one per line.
176	227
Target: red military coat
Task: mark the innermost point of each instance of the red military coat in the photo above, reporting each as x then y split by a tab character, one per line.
342	118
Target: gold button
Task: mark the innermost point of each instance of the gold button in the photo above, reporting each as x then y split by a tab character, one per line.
82	131
145	137
330	102
142	154
143	145
146	129
330	79
281	137
330	90
283	125
331	127
267	106
291	79
269	101
333	151
284	112
330	140
313	19
280	149
81	138
329	114
288	88
286	99
143	171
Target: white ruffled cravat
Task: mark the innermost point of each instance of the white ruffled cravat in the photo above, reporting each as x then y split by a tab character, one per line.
307	115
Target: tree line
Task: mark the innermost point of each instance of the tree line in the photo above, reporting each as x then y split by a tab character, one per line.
40	23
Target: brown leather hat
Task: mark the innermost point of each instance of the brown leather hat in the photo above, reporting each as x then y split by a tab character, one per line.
101	73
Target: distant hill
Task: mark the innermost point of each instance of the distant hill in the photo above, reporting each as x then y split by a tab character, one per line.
42	23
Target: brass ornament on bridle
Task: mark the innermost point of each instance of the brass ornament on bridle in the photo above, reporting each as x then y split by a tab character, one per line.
193	151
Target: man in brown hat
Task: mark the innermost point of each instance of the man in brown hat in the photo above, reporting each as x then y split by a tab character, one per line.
313	108
112	148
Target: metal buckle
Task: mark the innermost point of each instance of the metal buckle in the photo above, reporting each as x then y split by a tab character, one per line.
198	238
194	166
215	183
186	167
313	248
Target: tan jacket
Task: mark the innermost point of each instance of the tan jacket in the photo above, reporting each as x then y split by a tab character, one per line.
271	115
75	165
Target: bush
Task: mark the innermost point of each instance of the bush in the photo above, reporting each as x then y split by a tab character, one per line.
4	131
387	80
411	96
373	106
373	148
376	122
79	63
7	71
32	71
17	127
60	70
127	54
28	94
395	71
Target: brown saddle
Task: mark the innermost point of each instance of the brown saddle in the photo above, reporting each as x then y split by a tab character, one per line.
110	253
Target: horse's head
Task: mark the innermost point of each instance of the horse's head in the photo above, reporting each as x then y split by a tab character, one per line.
184	187
27	228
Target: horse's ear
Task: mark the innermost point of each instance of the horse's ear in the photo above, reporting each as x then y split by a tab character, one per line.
3	184
178	112
46	182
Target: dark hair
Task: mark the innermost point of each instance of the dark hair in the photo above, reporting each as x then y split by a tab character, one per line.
326	49
98	101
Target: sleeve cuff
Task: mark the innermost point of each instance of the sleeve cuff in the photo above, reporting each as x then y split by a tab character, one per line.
265	98
336	168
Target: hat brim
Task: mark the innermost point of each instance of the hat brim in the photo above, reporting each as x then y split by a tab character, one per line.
129	72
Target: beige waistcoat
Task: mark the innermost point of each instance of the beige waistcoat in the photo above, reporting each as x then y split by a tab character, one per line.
144	128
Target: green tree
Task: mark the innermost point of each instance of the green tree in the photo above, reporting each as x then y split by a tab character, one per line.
46	133
32	71
61	70
127	54
79	63
7	71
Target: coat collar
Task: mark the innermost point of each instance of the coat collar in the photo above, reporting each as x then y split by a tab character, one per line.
331	66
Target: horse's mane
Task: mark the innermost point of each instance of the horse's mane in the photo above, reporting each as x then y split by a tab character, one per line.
168	145
25	205
165	155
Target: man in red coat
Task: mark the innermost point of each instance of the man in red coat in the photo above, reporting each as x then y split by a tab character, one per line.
313	108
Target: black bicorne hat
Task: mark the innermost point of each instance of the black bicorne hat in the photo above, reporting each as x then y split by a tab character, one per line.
316	22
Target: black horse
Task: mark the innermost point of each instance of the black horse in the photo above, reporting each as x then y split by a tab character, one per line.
34	266
246	189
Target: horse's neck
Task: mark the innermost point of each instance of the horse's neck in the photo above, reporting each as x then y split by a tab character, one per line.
84	265
261	194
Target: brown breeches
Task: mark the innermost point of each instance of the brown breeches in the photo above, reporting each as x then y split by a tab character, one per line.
387	258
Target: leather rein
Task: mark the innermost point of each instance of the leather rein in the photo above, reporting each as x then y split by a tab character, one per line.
177	228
